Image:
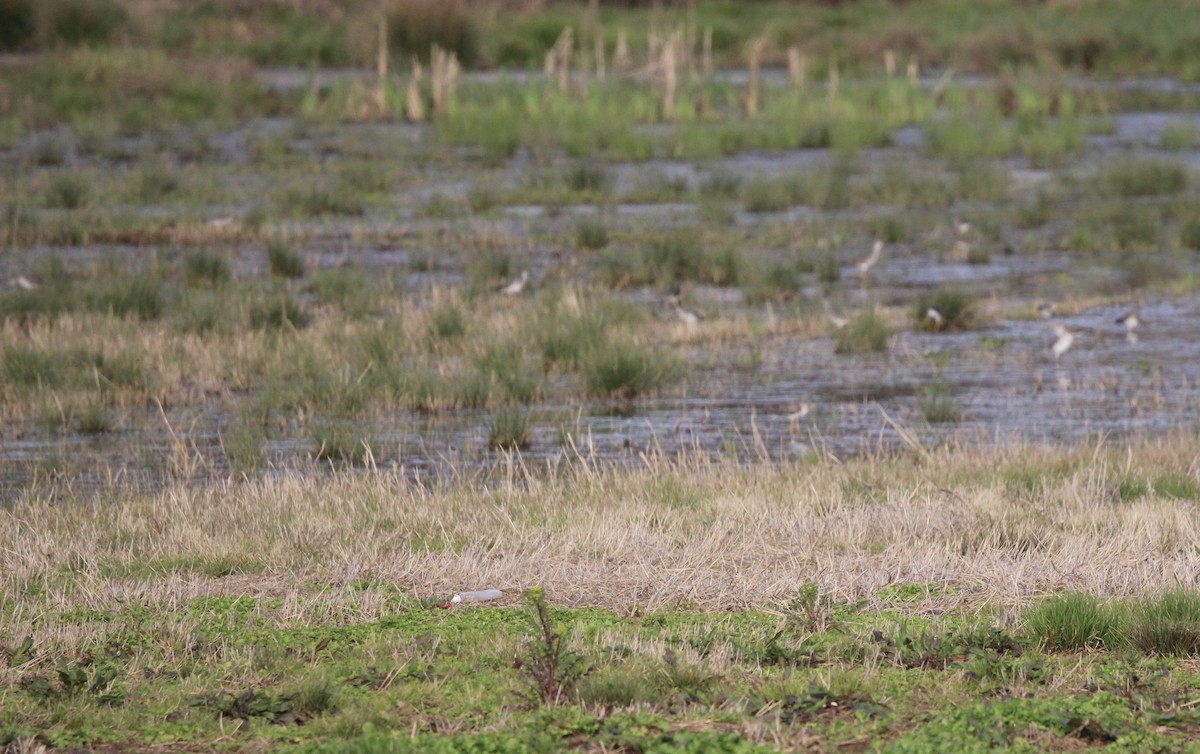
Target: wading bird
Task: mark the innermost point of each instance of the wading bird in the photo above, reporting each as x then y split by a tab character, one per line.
1063	343
961	251
935	318
795	417
686	316
517	286
24	283
1131	321
837	321
864	267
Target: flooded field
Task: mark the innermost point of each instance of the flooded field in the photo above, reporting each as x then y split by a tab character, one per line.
742	270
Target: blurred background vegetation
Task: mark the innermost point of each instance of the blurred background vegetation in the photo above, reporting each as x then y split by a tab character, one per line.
1105	37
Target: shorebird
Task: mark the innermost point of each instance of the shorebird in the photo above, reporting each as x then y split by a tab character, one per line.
795	417
864	267
961	251
686	316
935	318
517	286
835	320
24	283
1046	310
1063	343
1131	322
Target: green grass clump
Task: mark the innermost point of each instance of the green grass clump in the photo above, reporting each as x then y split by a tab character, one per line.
1143	177
681	255
938	405
510	430
155	182
207	268
1135	226
773	194
67	191
80	22
720	184
447	322
341	442
587	178
25	368
142	295
284	261
1166	625
315	201
348	288
279	313
956	307
868	332
1189	233
621	370
1179	136
1172	486
591	233
965	140
1073	622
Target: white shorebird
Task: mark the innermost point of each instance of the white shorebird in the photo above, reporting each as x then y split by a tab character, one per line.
864	267
935	318
1063	343
24	283
837	321
517	286
686	316
1131	321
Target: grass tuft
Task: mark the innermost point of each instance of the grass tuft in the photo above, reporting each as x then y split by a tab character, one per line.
1073	622
956	309
868	332
284	261
510	430
621	370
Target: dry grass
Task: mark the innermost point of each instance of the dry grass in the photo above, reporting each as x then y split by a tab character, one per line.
1017	523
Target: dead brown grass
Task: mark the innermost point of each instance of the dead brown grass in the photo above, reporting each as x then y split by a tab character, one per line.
998	527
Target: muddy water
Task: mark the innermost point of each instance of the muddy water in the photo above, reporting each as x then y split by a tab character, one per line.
1001	382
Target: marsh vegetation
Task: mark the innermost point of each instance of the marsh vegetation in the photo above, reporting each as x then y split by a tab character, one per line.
297	341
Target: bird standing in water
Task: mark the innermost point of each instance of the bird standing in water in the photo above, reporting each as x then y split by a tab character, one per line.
864	267
1131	321
1063	343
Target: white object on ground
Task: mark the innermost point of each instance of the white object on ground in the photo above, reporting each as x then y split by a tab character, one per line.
485	595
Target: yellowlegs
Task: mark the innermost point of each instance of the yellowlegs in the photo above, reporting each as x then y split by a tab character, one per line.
864	267
837	321
517	286
795	417
961	251
1131	321
686	316
675	300
1063	342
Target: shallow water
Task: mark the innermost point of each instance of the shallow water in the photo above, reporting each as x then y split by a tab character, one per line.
742	399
